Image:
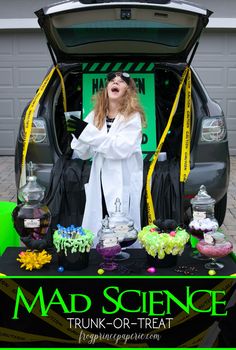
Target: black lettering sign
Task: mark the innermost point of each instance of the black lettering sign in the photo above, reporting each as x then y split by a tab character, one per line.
97	84
144	139
140	83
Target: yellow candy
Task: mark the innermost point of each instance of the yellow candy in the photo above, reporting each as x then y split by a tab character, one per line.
101	271
2	274
211	272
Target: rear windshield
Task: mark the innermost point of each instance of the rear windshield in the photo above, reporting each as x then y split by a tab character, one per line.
153	32
159	31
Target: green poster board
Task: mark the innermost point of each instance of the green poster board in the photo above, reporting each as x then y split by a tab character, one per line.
146	89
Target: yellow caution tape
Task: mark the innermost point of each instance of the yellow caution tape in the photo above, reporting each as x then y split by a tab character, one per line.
203	303
184	171
63	89
186	138
13	336
9	287
54	319
194	342
29	115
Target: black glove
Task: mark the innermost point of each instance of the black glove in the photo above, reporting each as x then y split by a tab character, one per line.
75	125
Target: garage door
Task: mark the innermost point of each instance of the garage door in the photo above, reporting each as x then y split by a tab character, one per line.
24	61
215	62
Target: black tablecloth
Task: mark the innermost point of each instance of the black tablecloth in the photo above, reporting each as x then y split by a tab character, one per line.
136	265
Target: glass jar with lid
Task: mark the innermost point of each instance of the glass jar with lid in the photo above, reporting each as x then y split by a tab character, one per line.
108	245
32	218
203	219
123	226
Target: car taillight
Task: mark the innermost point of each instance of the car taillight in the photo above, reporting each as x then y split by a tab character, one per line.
213	129
38	131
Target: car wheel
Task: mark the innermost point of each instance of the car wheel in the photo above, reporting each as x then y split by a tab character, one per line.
220	210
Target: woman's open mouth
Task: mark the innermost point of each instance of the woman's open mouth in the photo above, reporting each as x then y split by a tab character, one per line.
115	89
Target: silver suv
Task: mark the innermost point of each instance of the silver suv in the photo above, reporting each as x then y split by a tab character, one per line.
154	41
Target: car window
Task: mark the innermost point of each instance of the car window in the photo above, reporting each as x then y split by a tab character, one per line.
163	30
155	32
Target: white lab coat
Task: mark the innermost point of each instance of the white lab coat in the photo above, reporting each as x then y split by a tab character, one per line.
117	162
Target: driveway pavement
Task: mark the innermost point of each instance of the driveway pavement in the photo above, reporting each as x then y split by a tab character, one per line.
8	193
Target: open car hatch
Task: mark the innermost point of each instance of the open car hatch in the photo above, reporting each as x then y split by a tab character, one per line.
79	32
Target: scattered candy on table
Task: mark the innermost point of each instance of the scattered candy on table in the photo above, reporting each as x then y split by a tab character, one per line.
186	270
60	269
211	272
151	269
100	271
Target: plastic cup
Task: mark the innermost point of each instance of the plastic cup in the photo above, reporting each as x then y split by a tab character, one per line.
76	114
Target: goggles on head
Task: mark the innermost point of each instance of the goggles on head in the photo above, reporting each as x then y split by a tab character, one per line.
124	76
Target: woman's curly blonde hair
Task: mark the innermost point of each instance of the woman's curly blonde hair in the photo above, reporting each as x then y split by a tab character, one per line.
130	104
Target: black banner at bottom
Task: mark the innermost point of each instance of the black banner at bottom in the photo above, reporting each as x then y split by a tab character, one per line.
119	312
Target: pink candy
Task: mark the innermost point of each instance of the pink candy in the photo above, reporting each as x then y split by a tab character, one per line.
172	233
214	251
151	270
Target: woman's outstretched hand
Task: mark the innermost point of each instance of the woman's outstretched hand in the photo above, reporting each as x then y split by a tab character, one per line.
75	125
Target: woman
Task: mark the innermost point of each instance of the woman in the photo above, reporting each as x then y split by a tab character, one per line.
111	135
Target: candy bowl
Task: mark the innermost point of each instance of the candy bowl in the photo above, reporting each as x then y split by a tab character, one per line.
73	246
214	246
163	243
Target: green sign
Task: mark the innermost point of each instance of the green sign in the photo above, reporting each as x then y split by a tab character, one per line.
146	90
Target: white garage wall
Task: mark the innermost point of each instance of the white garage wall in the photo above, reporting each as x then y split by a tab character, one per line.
24	61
